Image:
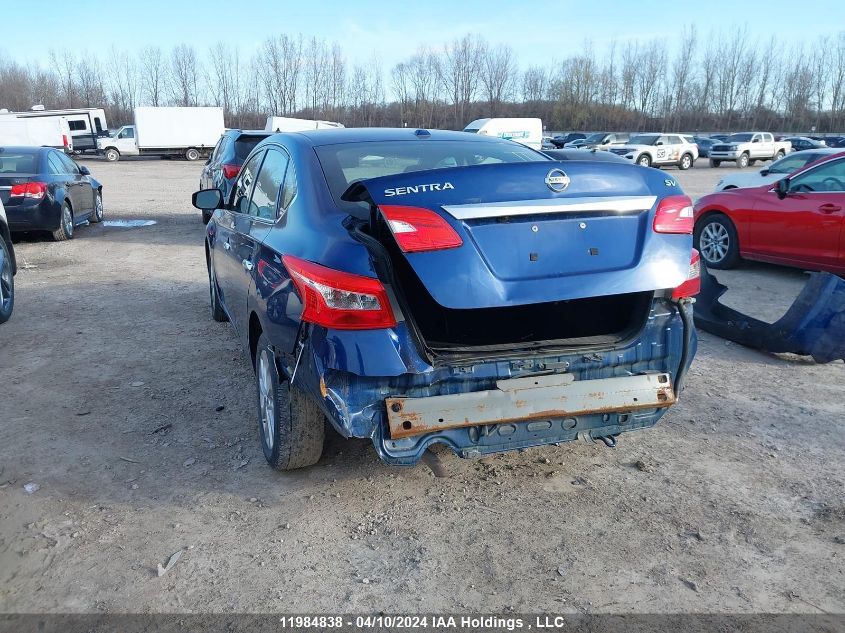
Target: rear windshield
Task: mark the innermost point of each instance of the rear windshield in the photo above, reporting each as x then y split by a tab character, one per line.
245	144
347	163
740	138
18	163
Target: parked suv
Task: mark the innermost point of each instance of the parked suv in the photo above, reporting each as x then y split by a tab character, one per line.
658	150
225	162
8	268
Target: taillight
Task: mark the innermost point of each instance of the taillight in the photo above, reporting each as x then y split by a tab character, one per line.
64	140
231	171
34	190
339	300
692	286
674	215
418	229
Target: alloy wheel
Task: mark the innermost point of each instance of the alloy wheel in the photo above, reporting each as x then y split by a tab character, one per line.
6	282
715	242
67	221
266	398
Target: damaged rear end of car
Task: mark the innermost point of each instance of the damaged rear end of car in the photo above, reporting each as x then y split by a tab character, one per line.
513	305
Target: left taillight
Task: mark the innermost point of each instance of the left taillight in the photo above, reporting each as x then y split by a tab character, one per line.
231	171
339	300
418	230
674	215
692	286
34	190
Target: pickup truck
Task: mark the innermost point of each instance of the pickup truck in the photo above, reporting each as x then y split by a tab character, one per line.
746	148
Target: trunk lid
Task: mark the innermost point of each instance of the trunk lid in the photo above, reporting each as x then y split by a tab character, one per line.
537	232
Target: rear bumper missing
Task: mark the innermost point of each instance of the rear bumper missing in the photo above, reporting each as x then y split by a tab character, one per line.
526	399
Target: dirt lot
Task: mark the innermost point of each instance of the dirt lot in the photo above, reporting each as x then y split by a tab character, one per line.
133	412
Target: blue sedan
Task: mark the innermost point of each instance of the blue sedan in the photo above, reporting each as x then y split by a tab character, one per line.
417	287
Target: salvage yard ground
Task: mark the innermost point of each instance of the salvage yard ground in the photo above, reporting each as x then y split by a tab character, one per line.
131	412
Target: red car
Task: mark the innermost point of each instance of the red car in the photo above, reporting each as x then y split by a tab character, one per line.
797	221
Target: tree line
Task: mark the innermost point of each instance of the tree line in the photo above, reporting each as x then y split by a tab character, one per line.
722	81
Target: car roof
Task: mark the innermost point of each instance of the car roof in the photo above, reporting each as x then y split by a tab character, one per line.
23	149
333	136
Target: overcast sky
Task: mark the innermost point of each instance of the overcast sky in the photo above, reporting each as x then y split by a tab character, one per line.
538	31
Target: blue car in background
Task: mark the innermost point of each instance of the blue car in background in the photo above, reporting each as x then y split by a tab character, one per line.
418	287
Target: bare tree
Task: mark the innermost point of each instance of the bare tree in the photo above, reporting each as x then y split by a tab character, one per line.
153	75
498	75
459	73
184	75
535	84
64	63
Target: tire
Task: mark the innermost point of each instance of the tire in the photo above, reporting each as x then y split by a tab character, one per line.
291	426
686	162
112	155
97	215
192	154
644	160
716	240
715	163
7	281
65	230
206	216
217	311
779	155
742	161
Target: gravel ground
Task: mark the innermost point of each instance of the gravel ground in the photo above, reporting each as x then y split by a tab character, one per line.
132	411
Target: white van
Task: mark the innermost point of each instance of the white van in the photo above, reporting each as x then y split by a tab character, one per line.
289	124
86	124
49	132
526	131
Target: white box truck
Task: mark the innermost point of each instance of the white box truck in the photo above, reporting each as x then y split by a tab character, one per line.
188	132
50	132
522	130
290	124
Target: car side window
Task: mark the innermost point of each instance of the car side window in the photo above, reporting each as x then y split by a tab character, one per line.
69	166
828	176
54	165
217	149
243	187
266	191
127	133
289	188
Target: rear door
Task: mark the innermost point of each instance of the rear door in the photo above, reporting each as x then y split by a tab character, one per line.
78	185
805	227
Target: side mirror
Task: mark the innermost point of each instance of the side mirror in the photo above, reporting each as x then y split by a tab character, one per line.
764	172
84	170
782	188
207	199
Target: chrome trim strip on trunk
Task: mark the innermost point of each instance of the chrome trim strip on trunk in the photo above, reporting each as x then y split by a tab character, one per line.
616	204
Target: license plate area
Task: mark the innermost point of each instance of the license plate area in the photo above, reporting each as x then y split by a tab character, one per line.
523	399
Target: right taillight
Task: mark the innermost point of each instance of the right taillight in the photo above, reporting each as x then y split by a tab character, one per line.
34	190
231	171
674	215
339	300
692	286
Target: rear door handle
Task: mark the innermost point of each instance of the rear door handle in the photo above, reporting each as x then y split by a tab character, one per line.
248	265
830	208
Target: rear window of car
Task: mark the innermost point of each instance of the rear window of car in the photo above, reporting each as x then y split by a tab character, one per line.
245	144
347	163
18	163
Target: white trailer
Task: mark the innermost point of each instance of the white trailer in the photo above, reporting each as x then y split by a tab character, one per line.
290	124
49	132
86	124
188	132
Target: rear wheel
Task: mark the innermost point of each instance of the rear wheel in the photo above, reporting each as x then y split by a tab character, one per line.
780	154
191	154
715	163
742	161
716	239
291	425
686	162
644	160
7	282
217	311
112	155
65	230
97	215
